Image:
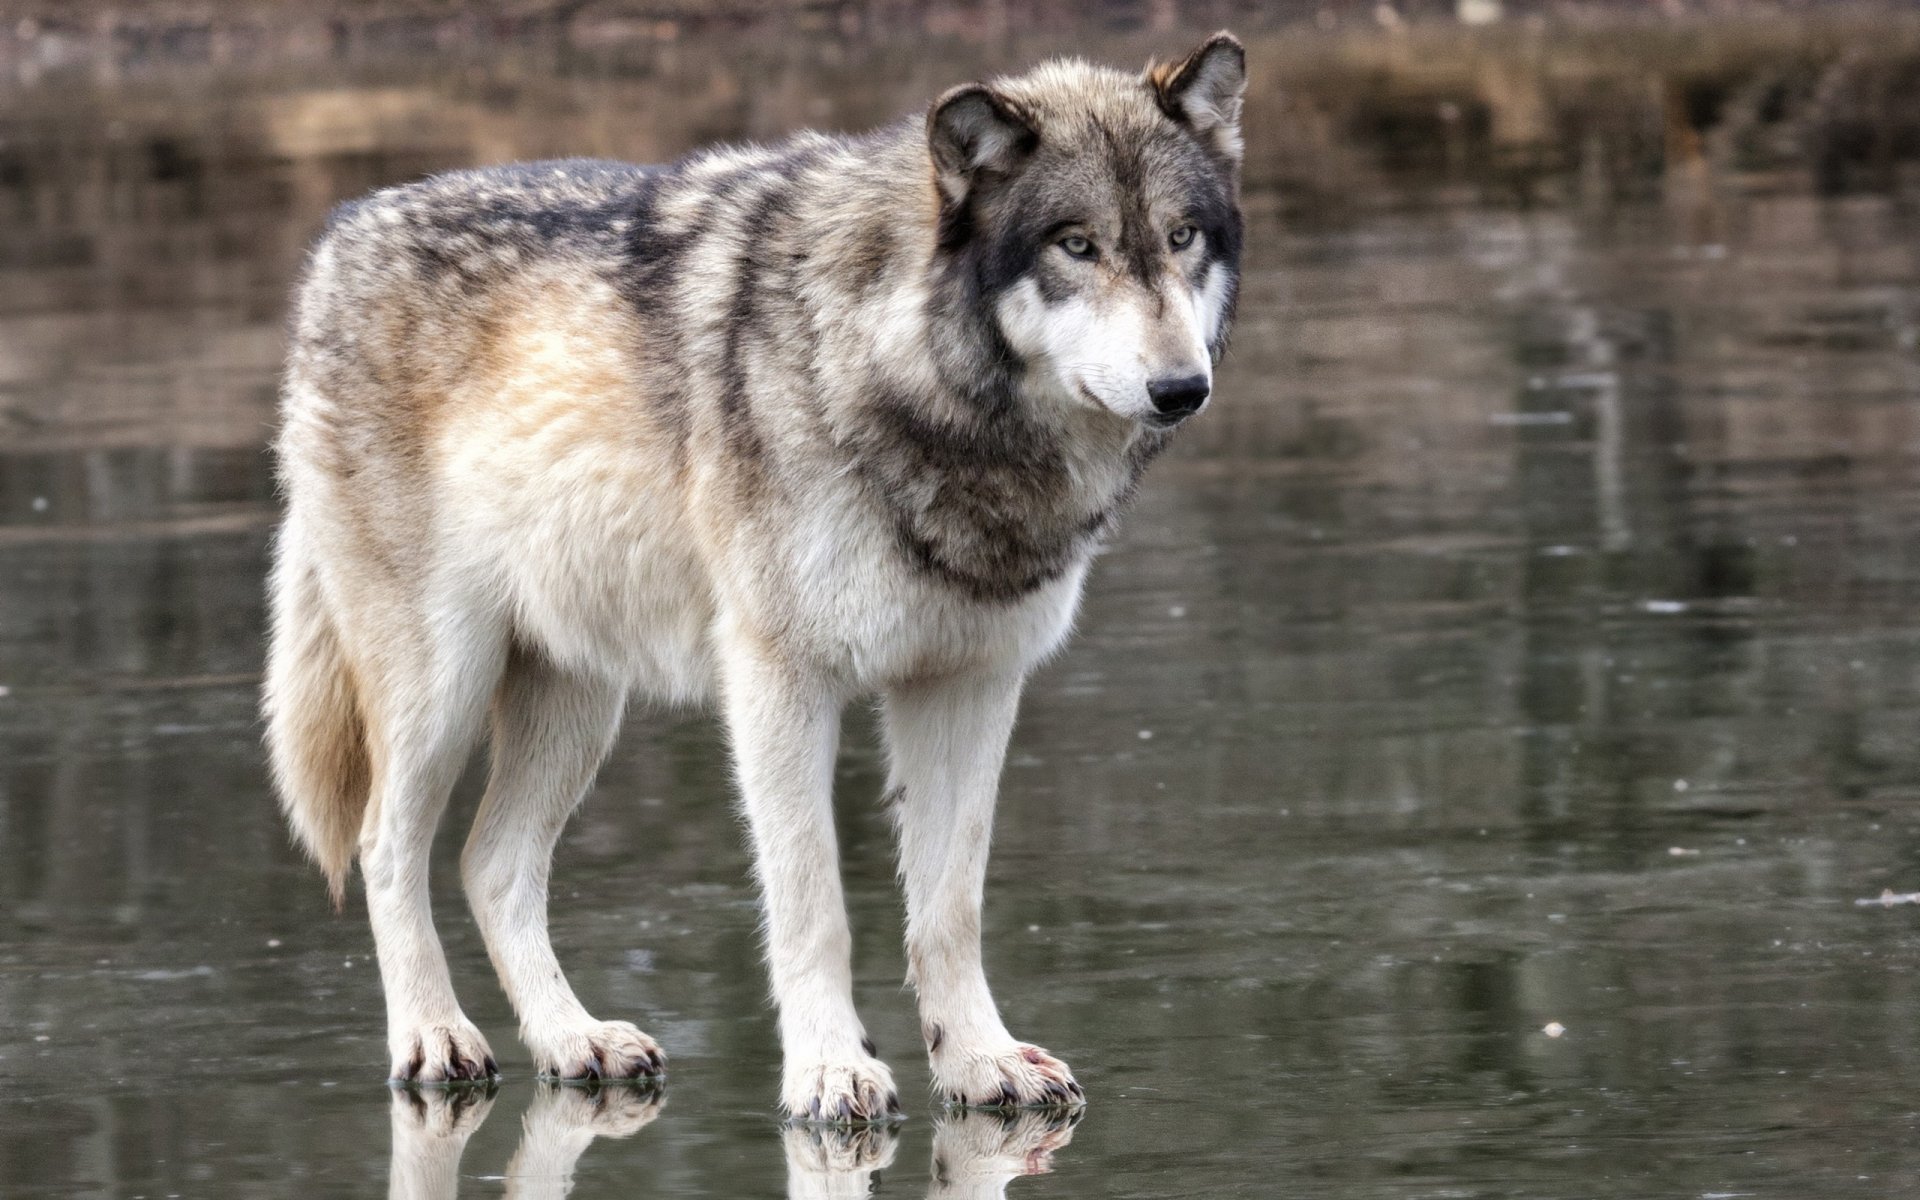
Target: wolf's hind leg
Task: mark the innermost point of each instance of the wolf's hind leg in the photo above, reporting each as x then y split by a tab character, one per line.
424	709
946	741
785	729
550	732
423	680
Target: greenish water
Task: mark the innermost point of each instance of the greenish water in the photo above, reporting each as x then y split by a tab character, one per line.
1530	635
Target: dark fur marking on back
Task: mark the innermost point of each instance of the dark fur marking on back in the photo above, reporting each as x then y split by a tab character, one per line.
451	223
653	257
774	204
872	254
648	277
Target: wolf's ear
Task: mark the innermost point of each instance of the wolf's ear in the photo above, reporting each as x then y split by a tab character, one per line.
1203	90
975	133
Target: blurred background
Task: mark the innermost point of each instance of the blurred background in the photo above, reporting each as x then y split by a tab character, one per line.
1527	637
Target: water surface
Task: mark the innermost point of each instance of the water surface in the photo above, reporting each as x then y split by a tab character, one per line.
1527	636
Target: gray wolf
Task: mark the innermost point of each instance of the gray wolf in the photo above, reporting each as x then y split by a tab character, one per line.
773	427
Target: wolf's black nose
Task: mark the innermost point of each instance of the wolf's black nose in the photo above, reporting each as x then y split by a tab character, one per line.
1178	397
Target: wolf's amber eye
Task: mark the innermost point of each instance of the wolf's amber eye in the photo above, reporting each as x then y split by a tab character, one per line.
1182	237
1077	246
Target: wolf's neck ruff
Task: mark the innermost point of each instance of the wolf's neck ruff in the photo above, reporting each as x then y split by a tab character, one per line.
999	506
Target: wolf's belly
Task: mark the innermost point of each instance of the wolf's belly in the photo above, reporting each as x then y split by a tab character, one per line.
582	522
641	613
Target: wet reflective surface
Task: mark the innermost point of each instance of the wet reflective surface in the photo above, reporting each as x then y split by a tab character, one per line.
1530	636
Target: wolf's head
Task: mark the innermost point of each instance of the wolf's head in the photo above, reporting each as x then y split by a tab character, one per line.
1092	219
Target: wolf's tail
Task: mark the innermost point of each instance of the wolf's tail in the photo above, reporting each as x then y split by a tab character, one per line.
316	734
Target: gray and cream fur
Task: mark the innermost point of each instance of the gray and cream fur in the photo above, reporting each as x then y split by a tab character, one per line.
773	427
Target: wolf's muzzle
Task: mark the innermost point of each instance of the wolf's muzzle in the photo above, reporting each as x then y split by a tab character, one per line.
1177	399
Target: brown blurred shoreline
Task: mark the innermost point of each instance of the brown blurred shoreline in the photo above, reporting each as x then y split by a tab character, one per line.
159	188
105	39
1512	94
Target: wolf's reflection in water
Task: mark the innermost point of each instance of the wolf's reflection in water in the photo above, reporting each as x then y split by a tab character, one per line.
431	1128
430	1132
975	1154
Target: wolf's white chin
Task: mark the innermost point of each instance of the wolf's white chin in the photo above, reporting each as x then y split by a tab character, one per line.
1086	396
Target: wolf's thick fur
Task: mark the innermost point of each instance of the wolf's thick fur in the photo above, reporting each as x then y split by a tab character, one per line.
776	426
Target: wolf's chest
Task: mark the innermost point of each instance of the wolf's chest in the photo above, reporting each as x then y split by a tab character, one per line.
992	515
925	628
850	595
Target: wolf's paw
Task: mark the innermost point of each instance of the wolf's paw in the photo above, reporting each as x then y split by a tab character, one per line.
997	1145
441	1113
1015	1075
610	1110
854	1091
603	1050
429	1055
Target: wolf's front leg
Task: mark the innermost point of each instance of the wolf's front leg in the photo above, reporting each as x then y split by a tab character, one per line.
785	728
947	741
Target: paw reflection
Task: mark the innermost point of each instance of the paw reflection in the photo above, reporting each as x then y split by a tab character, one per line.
430	1132
431	1128
975	1154
836	1160
563	1121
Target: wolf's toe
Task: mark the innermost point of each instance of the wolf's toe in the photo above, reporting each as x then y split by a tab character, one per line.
431	1055
607	1051
1016	1076
858	1091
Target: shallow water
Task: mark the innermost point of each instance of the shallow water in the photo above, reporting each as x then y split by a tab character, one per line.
1528	635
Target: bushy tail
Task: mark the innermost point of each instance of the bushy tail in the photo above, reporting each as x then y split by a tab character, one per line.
316	736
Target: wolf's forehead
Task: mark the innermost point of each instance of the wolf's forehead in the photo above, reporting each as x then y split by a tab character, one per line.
1091	189
1073	98
1104	171
1103	132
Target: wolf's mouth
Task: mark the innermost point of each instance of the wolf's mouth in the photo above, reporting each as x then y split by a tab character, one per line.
1094	399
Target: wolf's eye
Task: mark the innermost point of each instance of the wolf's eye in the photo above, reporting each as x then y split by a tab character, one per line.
1182	237
1078	246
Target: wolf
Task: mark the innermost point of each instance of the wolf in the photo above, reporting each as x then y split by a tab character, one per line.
776	428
